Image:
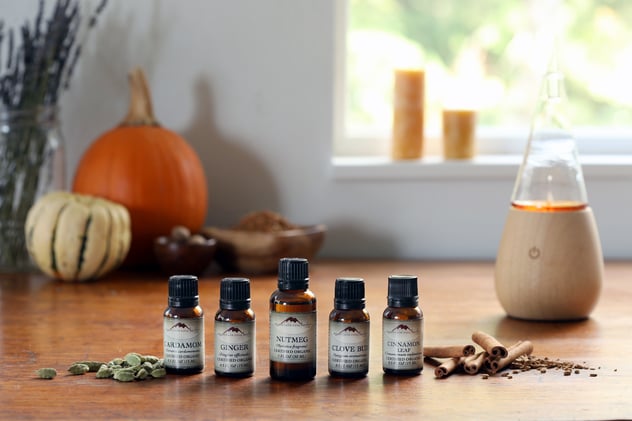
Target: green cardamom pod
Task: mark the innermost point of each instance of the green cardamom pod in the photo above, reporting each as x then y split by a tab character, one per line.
142	374
93	366
105	372
159	372
123	376
150	358
133	359
147	366
46	373
78	369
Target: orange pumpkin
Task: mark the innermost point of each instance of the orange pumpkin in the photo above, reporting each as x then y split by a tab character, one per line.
150	170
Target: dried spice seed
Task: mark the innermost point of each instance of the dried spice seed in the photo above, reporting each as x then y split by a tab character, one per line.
141	374
105	372
93	366
159	372
123	376
46	373
78	368
150	359
133	359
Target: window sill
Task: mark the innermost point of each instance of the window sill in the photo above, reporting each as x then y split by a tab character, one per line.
482	167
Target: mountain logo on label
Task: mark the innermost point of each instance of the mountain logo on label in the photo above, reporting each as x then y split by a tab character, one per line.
181	326
403	329
233	331
349	331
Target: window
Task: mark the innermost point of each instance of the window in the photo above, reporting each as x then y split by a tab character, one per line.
489	54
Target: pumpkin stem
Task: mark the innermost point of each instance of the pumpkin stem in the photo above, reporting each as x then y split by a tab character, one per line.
140	111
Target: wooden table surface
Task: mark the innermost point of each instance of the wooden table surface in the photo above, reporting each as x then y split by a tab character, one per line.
46	323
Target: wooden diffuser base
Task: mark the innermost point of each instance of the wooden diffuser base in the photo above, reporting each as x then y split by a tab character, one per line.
549	265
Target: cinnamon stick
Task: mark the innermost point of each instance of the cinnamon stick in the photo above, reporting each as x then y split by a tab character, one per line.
449	351
473	363
490	344
449	366
513	352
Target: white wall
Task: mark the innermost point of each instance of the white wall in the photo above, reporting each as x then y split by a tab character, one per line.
250	84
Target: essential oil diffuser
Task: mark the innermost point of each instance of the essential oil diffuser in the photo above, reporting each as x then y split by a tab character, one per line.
549	264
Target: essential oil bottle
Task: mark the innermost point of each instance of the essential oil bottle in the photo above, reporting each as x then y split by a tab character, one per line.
293	323
402	327
183	327
234	330
349	330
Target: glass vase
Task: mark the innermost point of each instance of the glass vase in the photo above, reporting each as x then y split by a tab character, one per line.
32	163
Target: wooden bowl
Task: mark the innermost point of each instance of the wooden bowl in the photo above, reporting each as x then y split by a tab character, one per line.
258	252
177	257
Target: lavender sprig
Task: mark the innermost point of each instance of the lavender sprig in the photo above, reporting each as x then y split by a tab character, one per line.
43	63
40	58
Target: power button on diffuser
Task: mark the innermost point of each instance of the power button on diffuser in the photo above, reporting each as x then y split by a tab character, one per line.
534	252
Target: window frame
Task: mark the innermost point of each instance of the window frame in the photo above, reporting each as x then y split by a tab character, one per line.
604	152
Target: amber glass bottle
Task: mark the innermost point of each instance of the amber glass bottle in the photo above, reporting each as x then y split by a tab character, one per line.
234	330
183	327
293	323
349	330
402	328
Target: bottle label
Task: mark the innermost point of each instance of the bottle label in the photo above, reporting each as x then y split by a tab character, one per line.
349	347
292	337
184	342
235	347
402	344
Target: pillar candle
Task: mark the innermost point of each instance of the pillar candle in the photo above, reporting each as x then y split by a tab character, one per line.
408	114
459	128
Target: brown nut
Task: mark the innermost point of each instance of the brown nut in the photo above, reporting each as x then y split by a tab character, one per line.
180	233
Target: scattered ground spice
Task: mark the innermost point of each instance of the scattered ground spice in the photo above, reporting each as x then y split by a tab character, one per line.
264	221
531	362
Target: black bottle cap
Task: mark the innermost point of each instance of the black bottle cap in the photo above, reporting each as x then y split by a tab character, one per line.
183	291
234	294
349	294
402	291
293	273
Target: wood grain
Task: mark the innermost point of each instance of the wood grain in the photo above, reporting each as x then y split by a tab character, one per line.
555	270
45	323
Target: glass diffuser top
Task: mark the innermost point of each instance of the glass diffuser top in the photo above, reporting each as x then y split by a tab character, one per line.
550	177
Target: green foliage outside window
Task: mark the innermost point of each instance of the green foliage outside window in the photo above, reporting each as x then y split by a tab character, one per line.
498	49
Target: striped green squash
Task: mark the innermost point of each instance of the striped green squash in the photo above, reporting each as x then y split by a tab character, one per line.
76	237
